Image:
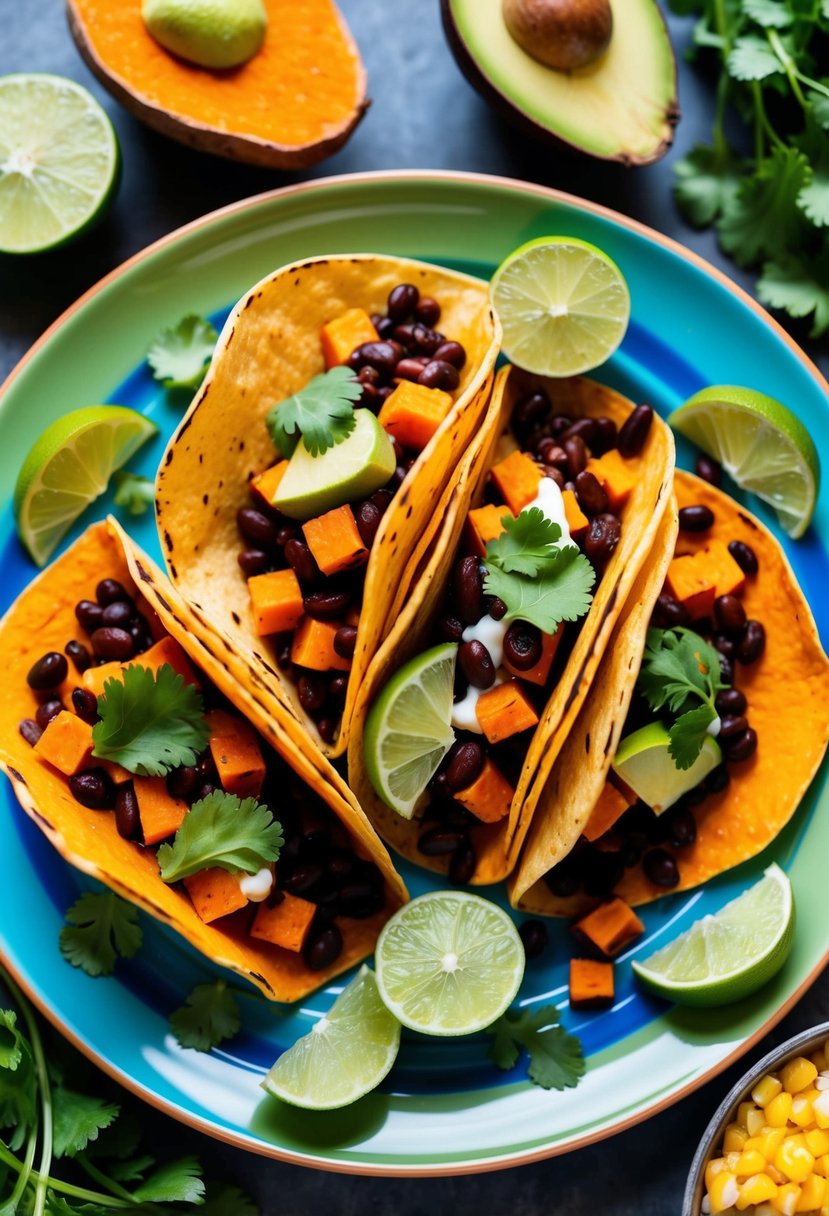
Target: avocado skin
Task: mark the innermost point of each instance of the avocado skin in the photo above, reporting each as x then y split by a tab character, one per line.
469	66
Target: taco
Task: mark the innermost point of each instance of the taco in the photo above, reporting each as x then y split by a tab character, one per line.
729	598
294	544
288	922
527	645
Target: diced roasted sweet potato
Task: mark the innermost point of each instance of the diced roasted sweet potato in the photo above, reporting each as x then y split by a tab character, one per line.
489	796
285	923
234	745
116	773
215	893
94	678
67	744
516	478
577	521
275	600
340	336
483	525
413	412
727	576
165	650
609	927
591	984
264	485
313	646
539	673
504	710
691	581
611	805
615	475
160	813
334	540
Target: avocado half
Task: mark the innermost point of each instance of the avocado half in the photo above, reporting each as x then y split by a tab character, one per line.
621	107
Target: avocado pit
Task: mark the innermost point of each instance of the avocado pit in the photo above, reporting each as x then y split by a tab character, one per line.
562	34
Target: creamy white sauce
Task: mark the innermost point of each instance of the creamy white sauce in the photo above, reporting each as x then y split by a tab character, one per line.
491	633
464	716
257	887
714	728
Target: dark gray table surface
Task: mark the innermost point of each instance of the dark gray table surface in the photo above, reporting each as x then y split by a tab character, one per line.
425	116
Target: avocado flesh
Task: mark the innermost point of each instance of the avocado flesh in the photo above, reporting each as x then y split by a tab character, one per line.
621	107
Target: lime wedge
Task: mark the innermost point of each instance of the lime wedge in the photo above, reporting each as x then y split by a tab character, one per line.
59	161
761	444
563	304
729	955
449	963
644	763
68	467
350	470
346	1054
408	728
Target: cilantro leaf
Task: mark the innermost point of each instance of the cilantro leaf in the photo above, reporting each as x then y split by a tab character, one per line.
101	927
525	544
800	285
150	721
18	1081
813	199
707	181
771	14
209	1016
132	1170
133	492
763	217
175	1182
556	1057
228	1201
560	592
322	413
178	355
681	672
77	1119
12	1043
688	734
752	58
819	108
222	830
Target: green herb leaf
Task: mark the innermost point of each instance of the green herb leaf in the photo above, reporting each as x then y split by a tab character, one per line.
133	492
752	58
151	722
556	1057
12	1043
819	108
222	830
228	1201
77	1119
688	734
132	1170
209	1016
59	1205
681	673
175	1182
763	217
18	1082
526	543
101	928
800	285
771	14
707	182
322	413
178	355
561	592
813	199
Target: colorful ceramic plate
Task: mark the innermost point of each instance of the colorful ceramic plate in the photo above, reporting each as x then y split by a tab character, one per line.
445	1108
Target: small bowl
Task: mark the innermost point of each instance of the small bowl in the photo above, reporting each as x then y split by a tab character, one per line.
802	1044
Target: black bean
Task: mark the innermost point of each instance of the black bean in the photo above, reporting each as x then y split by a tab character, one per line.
565	878
80	656
338	688
88	614
560	424
729	614
462	863
304	877
345	640
465	763
205	790
327	728
369	376
119	613
726	670
381	499
253	561
367	517
718	779
93	789
85	705
370	399
402	301
111	643
522	645
730	701
451	352
605	437
695	796
405	335
554	474
602	537
382	356
534	936
439	842
696	519
411	368
467	589
744	556
476	663
127	819
301	560
724	645
326	605
206	767
312	688
322	948
731	725
634	431
535	407
109	590
50	670
708	470
47	711
661	868
285	533
602	872
427	311
450	628
590	493
183	782
30	730
681	827
384	327
437	374
752	644
552	453
585	428
669	612
359	900
256	528
741	747
576	455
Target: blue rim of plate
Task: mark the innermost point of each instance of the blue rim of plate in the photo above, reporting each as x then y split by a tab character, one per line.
652	1028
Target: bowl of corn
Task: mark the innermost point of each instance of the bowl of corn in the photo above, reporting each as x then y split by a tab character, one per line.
766	1151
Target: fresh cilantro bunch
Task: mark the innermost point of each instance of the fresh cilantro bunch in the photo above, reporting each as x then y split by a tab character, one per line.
178	355
539	580
681	673
771	208
556	1059
322	413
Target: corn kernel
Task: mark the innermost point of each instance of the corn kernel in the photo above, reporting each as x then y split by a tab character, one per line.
767	1087
771	1138
751	1162
818	1058
785	1201
794	1159
715	1166
778	1110
812	1194
723	1192
820	1107
731	1160
735	1138
822	1165
802	1113
798	1074
743	1112
756	1121
817	1141
756	1189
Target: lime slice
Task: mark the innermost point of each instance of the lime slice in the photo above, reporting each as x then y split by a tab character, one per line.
408	728
449	963
69	467
729	955
644	763
563	304
346	1054
59	161
350	470
761	444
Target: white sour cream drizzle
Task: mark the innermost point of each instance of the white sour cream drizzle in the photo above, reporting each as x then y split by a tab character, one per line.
257	887
714	728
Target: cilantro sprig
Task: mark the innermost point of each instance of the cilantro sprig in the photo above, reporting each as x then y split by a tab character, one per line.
322	413
540	580
556	1059
178	355
151	722
208	1017
222	830
100	928
681	673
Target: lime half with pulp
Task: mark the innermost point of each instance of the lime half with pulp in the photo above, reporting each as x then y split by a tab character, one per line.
563	304
347	1052
59	161
761	444
729	955
449	963
408	728
68	467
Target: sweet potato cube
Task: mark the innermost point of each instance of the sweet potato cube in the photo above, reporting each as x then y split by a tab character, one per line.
116	773
591	984
234	745
413	412
609	927
215	893
516	478
313	646
166	650
690	581
615	475
489	796
160	813
611	805
483	525
285	924
275	600
94	678
728	578
264	485
504	710
539	673
577	521
340	336
66	743
334	540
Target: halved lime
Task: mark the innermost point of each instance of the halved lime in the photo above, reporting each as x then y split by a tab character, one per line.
761	444
350	470
563	304
729	955
449	963
346	1053
59	161
68	467
408	728
644	763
